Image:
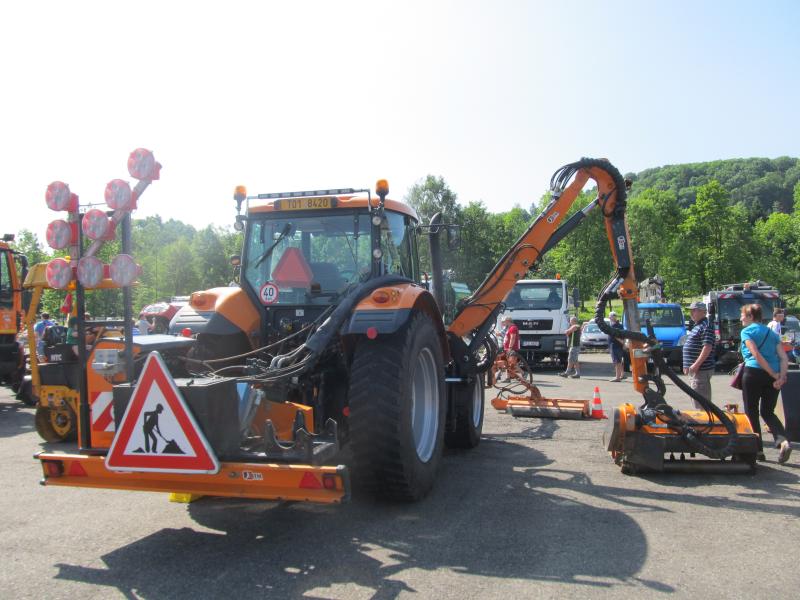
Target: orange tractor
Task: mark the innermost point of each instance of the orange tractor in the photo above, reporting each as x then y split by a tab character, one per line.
331	341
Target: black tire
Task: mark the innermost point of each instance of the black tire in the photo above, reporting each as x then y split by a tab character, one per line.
56	425
469	399
25	393
392	458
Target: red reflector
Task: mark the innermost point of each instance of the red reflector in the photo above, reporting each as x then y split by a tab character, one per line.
329	481
346	411
53	468
186	332
76	469
310	481
372	333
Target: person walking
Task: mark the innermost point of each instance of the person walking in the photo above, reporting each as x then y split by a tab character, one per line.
765	367
698	353
573	334
615	348
777	321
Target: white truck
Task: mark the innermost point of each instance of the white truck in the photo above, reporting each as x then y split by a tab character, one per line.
540	309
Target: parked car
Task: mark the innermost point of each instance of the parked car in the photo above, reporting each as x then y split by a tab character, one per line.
592	337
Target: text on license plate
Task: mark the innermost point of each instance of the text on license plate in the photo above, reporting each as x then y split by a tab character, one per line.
305	203
532	343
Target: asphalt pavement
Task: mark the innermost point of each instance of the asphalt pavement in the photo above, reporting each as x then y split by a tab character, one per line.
537	510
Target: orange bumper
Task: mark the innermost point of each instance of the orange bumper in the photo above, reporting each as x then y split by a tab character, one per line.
266	481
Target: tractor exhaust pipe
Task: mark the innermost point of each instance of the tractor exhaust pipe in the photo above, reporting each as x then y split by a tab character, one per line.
437	277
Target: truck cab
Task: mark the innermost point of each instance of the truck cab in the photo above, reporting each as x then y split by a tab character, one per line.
540	309
668	324
727	304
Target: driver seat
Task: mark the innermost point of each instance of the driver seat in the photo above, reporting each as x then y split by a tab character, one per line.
327	275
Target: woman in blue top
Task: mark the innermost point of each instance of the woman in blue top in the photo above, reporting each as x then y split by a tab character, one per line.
765	367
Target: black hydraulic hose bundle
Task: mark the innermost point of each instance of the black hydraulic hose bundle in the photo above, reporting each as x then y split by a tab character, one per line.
305	357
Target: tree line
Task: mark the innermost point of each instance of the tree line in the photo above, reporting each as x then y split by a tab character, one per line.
698	226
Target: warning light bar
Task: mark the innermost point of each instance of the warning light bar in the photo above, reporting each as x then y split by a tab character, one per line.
118	195
58	197
124	270
58	273
95	224
334	192
142	165
90	271
61	234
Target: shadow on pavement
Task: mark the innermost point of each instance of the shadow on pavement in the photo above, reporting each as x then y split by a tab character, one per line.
488	516
15	418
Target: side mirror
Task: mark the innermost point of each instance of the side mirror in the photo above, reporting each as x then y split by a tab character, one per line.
453	237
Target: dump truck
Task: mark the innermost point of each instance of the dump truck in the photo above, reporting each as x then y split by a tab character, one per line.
331	342
13	267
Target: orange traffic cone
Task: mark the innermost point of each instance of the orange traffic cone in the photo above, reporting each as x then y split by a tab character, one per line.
597	405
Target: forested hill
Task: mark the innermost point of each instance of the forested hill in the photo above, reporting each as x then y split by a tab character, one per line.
761	185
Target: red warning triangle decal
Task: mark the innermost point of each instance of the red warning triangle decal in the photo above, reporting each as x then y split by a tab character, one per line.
158	431
292	270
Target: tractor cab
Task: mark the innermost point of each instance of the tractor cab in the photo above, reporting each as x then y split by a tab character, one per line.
304	250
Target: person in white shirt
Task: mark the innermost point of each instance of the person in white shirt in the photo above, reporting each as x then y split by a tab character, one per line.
777	320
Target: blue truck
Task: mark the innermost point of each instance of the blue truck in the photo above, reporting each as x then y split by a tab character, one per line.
669	326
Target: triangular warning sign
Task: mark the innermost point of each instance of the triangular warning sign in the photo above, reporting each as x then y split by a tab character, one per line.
292	270
158	431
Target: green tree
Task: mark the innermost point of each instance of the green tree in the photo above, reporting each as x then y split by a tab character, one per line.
776	260
714	240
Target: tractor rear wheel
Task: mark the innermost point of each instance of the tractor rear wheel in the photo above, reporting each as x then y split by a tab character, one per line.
397	411
56	424
469	415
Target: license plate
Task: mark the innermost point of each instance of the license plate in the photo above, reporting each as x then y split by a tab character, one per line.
320	203
531	343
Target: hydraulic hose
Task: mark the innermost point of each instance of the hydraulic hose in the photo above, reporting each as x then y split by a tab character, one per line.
685	429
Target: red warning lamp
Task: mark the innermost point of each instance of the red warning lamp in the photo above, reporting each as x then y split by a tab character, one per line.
61	234
58	273
95	224
118	195
142	165
90	271
58	197
124	270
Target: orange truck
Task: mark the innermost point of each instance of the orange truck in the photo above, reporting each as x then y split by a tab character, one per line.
330	340
13	266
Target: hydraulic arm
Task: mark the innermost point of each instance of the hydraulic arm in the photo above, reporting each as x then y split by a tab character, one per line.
714	433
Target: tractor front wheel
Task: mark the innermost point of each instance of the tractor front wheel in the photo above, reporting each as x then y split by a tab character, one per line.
397	411
469	415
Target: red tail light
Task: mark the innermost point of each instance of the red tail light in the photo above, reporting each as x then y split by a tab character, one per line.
329	481
53	468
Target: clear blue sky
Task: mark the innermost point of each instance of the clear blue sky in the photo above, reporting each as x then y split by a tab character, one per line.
493	96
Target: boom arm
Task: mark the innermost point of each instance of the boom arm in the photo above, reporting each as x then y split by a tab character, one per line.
546	231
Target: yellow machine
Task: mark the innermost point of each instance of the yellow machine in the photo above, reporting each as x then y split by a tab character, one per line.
331	340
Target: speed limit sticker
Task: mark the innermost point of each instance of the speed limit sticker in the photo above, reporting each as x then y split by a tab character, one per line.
268	293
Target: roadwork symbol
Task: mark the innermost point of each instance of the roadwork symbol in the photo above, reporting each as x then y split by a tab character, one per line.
158	432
